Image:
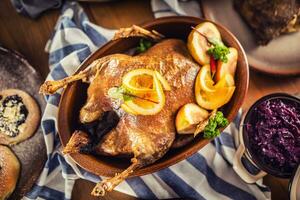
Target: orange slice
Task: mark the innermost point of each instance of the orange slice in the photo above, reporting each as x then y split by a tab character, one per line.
210	96
152	106
207	84
214	100
204	78
188	117
140	81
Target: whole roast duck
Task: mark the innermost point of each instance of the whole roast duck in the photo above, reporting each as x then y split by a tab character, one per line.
146	138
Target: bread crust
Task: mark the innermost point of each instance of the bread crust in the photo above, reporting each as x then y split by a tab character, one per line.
28	128
9	172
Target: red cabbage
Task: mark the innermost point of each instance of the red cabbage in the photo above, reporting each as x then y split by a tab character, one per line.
274	133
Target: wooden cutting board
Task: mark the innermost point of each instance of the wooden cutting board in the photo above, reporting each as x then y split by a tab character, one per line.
16	72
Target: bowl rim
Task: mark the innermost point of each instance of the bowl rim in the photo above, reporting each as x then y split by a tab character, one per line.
250	153
156	166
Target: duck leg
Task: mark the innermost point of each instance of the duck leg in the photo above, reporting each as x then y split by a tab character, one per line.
109	184
50	87
87	75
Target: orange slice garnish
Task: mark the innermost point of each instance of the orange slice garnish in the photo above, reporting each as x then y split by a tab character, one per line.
148	99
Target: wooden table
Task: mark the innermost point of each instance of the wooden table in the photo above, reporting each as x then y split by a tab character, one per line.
29	37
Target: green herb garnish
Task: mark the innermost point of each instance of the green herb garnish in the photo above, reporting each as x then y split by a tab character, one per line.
211	130
218	50
119	93
143	45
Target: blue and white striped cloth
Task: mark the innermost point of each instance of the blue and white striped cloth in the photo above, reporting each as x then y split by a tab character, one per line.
208	174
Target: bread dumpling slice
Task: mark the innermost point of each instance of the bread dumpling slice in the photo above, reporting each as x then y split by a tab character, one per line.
9	172
19	116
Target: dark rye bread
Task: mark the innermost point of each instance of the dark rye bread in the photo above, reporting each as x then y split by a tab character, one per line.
16	72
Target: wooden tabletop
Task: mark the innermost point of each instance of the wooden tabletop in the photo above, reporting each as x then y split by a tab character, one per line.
29	37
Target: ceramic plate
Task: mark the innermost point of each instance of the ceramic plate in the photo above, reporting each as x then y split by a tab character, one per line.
16	72
279	57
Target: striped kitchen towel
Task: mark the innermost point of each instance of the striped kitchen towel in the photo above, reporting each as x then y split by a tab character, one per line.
208	174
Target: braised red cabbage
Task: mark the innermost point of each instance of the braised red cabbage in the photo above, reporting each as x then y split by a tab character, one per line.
274	133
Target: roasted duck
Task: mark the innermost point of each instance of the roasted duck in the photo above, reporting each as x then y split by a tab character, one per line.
147	138
160	90
269	19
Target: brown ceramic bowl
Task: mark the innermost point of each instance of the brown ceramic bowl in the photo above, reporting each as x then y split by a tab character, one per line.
74	97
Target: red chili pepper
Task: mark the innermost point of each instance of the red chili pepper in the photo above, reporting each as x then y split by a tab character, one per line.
213	66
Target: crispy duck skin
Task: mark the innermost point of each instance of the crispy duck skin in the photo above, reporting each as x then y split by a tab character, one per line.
269	19
78	140
136	31
147	138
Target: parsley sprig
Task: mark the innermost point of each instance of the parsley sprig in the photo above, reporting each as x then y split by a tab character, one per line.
218	50
143	45
211	130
